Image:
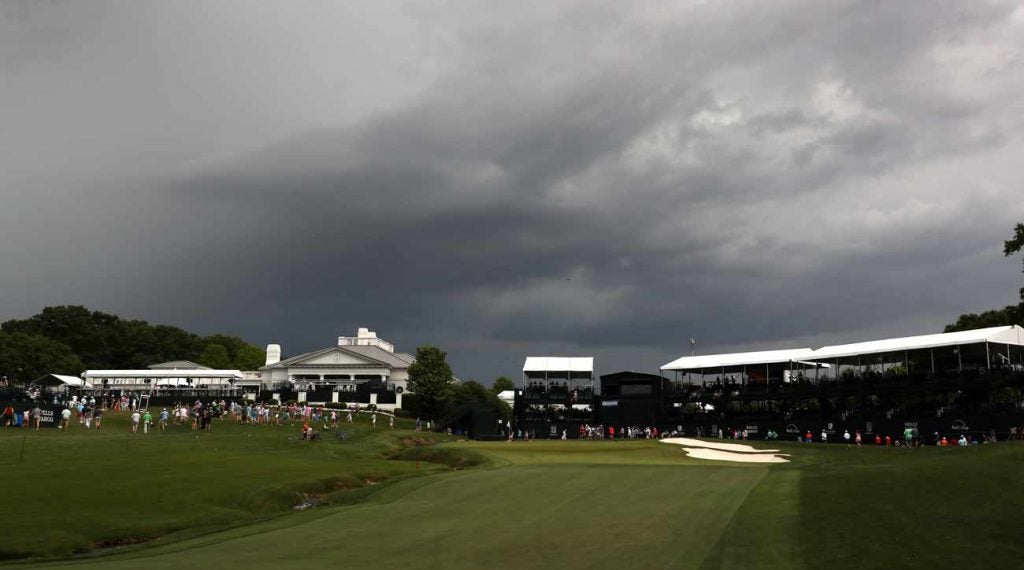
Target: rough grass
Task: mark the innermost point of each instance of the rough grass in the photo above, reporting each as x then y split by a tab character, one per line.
83	490
454	458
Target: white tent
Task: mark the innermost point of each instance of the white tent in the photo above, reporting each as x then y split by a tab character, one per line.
558	364
731	360
1008	335
59	380
144	379
234	374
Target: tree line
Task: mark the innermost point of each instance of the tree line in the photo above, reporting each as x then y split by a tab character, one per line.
71	339
1009	315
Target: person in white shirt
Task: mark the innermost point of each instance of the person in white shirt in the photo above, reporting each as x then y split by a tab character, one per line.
136	416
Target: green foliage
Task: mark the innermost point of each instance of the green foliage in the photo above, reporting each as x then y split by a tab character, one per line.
249	357
430	378
215	356
241	355
1009	315
502	383
1014	245
473	394
105	341
25	357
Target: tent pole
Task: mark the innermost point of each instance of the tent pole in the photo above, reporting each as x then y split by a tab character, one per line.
931	351
988	357
959	360
906	362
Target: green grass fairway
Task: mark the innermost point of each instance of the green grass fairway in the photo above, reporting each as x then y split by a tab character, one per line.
639	504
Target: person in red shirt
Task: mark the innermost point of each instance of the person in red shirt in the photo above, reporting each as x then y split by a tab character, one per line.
611	432
878	439
888	441
808	438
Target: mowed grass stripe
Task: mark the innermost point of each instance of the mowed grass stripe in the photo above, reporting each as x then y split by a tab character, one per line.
516	517
764	531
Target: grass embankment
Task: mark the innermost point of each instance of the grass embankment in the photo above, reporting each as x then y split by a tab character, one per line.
634	505
75	491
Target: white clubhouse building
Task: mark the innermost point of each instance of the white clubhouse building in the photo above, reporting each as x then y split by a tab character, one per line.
354	361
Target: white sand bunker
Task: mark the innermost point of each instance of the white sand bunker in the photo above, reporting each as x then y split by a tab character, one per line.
727	451
719	455
736	447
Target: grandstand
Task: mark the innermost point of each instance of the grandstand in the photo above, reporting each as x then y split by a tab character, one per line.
968	381
963	382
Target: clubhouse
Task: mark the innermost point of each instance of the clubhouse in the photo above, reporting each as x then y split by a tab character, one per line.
362	369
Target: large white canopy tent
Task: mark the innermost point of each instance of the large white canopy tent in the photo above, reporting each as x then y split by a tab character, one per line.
758	365
559	364
58	381
557	376
153	378
544	368
977	348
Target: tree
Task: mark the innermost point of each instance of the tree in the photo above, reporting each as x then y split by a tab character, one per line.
106	341
474	393
430	378
215	356
250	357
1015	245
1009	315
502	383
25	357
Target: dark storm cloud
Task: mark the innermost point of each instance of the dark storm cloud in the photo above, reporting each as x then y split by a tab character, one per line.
576	178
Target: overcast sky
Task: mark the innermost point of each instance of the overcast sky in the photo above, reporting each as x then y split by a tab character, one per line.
511	178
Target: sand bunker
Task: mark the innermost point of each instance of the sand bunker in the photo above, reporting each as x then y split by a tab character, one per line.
735	447
726	451
719	455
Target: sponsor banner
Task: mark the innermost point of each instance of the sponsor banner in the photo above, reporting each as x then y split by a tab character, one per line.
49	414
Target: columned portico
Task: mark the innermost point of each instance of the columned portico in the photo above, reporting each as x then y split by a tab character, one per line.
356	364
